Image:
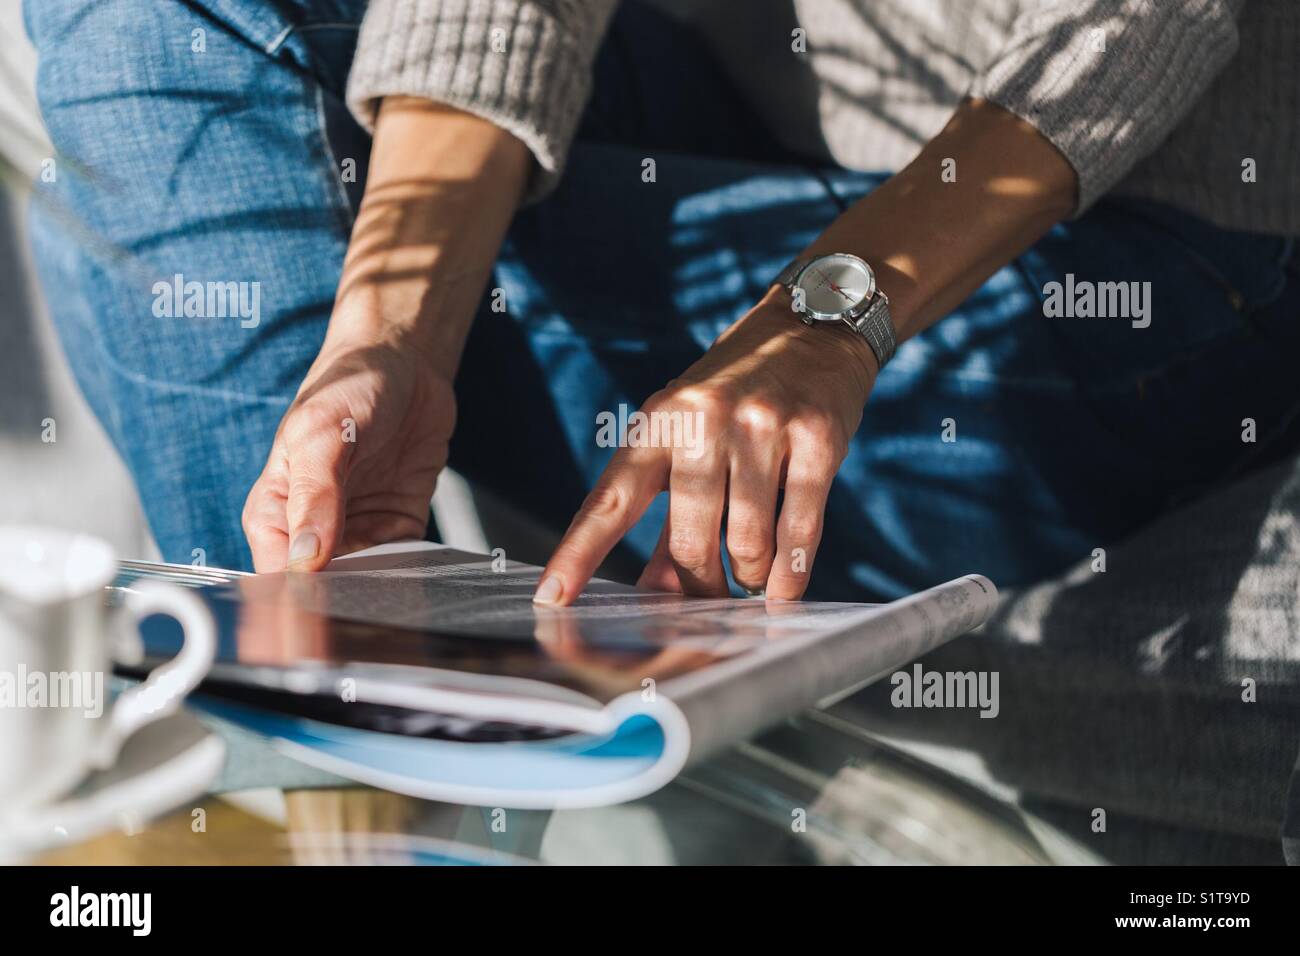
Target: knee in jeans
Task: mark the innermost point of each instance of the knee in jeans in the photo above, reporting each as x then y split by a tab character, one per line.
103	66
88	47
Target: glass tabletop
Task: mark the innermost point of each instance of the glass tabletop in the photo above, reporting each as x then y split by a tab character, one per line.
815	790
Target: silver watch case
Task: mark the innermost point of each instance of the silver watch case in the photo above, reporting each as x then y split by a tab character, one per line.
870	318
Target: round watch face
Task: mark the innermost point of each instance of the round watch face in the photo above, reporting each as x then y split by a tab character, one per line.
835	284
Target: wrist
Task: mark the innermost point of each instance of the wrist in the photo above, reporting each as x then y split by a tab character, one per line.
404	283
428	319
854	349
442	187
836	338
836	341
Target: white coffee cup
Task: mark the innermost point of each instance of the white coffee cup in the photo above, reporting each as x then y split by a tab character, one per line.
58	638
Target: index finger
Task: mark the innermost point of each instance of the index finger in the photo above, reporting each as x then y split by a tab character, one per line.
624	491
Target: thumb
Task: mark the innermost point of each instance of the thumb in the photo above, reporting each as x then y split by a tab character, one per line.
316	505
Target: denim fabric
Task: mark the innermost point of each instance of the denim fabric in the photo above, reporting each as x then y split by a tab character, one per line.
224	165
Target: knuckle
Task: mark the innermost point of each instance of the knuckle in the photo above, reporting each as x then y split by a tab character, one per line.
311	491
803	530
312	484
296	431
309	423
701	398
246	519
749	545
822	445
817	428
760	419
699	467
604	501
252	517
688	550
659	400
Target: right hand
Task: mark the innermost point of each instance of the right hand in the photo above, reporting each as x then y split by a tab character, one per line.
355	458
442	188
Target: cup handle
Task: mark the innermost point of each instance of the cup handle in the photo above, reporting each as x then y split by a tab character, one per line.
161	693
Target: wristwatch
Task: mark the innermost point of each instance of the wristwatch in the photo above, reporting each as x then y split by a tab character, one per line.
842	288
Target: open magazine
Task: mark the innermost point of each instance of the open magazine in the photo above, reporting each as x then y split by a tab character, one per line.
428	671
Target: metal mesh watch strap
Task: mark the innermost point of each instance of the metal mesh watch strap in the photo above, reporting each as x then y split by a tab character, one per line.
791	272
877	327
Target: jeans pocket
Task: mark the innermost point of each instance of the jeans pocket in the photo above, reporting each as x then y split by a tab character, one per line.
1250	269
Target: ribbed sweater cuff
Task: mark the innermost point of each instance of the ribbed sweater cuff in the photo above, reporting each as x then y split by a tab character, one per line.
1105	109
516	63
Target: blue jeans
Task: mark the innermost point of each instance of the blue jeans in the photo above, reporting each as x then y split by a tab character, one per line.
1001	440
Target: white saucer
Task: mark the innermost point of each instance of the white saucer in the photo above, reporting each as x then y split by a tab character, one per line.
160	768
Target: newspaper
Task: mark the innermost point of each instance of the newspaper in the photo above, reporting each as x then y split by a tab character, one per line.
428	670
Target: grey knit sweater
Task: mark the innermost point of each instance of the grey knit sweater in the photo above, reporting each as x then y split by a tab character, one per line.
1192	102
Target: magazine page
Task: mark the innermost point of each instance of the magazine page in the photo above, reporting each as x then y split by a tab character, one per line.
458	688
461	616
736	699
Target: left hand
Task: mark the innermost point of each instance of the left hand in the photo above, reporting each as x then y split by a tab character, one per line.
779	402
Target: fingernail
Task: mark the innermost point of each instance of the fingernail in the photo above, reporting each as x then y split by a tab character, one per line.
549	591
304	547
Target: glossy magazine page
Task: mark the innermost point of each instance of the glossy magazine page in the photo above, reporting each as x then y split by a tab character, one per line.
428	670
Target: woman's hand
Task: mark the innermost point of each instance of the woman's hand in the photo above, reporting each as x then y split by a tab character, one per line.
778	402
356	456
355	459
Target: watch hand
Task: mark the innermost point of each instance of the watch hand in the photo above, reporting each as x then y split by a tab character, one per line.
834	287
827	280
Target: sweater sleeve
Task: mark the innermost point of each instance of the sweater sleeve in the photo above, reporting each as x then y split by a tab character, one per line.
523	64
1106	81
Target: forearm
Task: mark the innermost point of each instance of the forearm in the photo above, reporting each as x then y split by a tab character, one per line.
932	243
442	188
